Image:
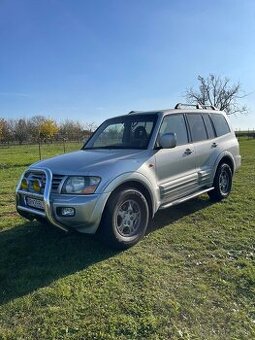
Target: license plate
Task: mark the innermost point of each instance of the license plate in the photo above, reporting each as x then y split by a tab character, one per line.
34	203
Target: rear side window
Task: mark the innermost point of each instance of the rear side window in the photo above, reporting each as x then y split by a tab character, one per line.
209	127
175	124
197	127
220	124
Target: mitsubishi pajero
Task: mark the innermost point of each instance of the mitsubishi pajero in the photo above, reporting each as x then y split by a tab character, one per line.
132	166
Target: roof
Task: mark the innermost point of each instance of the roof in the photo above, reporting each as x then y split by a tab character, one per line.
179	109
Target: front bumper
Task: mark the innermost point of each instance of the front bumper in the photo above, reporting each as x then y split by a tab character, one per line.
88	208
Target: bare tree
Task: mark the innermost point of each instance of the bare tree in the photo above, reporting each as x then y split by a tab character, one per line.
219	92
71	130
21	130
91	127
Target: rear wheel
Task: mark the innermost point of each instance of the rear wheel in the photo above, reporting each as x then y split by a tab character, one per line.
222	183
125	218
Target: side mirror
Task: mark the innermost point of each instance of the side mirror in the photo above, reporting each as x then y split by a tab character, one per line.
168	140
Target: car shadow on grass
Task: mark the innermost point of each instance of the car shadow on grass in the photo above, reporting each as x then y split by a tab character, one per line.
170	215
33	255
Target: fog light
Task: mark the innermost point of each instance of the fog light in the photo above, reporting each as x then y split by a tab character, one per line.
67	212
37	185
24	184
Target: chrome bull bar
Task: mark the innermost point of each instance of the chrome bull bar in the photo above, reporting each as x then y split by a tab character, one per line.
45	197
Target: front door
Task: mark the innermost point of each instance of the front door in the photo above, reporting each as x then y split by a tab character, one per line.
176	167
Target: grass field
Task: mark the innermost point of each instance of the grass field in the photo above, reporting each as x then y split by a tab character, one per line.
191	277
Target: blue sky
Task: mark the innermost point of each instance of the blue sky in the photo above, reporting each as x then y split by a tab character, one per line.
91	59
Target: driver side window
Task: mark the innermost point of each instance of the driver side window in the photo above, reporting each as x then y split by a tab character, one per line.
175	124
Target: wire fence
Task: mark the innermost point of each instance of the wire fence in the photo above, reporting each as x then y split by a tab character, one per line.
42	148
249	134
47	148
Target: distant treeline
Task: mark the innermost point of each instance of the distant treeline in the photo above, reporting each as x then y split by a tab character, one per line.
247	133
41	129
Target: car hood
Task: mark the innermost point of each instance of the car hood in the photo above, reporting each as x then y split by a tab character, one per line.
89	161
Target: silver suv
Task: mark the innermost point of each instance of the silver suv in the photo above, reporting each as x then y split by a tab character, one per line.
132	166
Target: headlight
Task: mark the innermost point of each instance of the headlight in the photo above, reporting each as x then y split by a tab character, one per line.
80	185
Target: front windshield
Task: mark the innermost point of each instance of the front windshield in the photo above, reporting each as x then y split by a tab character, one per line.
127	132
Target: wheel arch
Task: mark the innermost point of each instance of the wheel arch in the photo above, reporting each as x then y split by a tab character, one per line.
135	184
107	228
227	158
222	190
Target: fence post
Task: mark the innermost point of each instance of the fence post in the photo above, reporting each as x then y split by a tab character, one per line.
64	144
39	146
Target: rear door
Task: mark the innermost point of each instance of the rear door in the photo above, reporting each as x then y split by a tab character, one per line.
176	167
206	148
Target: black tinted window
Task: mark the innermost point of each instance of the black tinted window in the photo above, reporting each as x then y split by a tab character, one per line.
175	124
220	124
209	127
197	127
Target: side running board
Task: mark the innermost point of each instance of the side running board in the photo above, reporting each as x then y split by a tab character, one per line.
184	199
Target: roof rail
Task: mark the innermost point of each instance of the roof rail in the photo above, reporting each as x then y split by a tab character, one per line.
132	112
209	107
197	106
179	105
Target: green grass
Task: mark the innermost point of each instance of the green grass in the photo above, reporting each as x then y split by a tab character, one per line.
191	277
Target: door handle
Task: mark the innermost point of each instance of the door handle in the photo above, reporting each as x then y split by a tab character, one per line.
214	145
188	152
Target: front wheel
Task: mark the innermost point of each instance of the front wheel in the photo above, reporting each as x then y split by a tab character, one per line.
222	183
125	218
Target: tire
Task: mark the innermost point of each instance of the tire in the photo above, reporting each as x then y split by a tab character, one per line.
222	183
125	219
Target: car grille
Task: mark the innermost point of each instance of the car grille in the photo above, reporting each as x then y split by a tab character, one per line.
56	180
31	176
